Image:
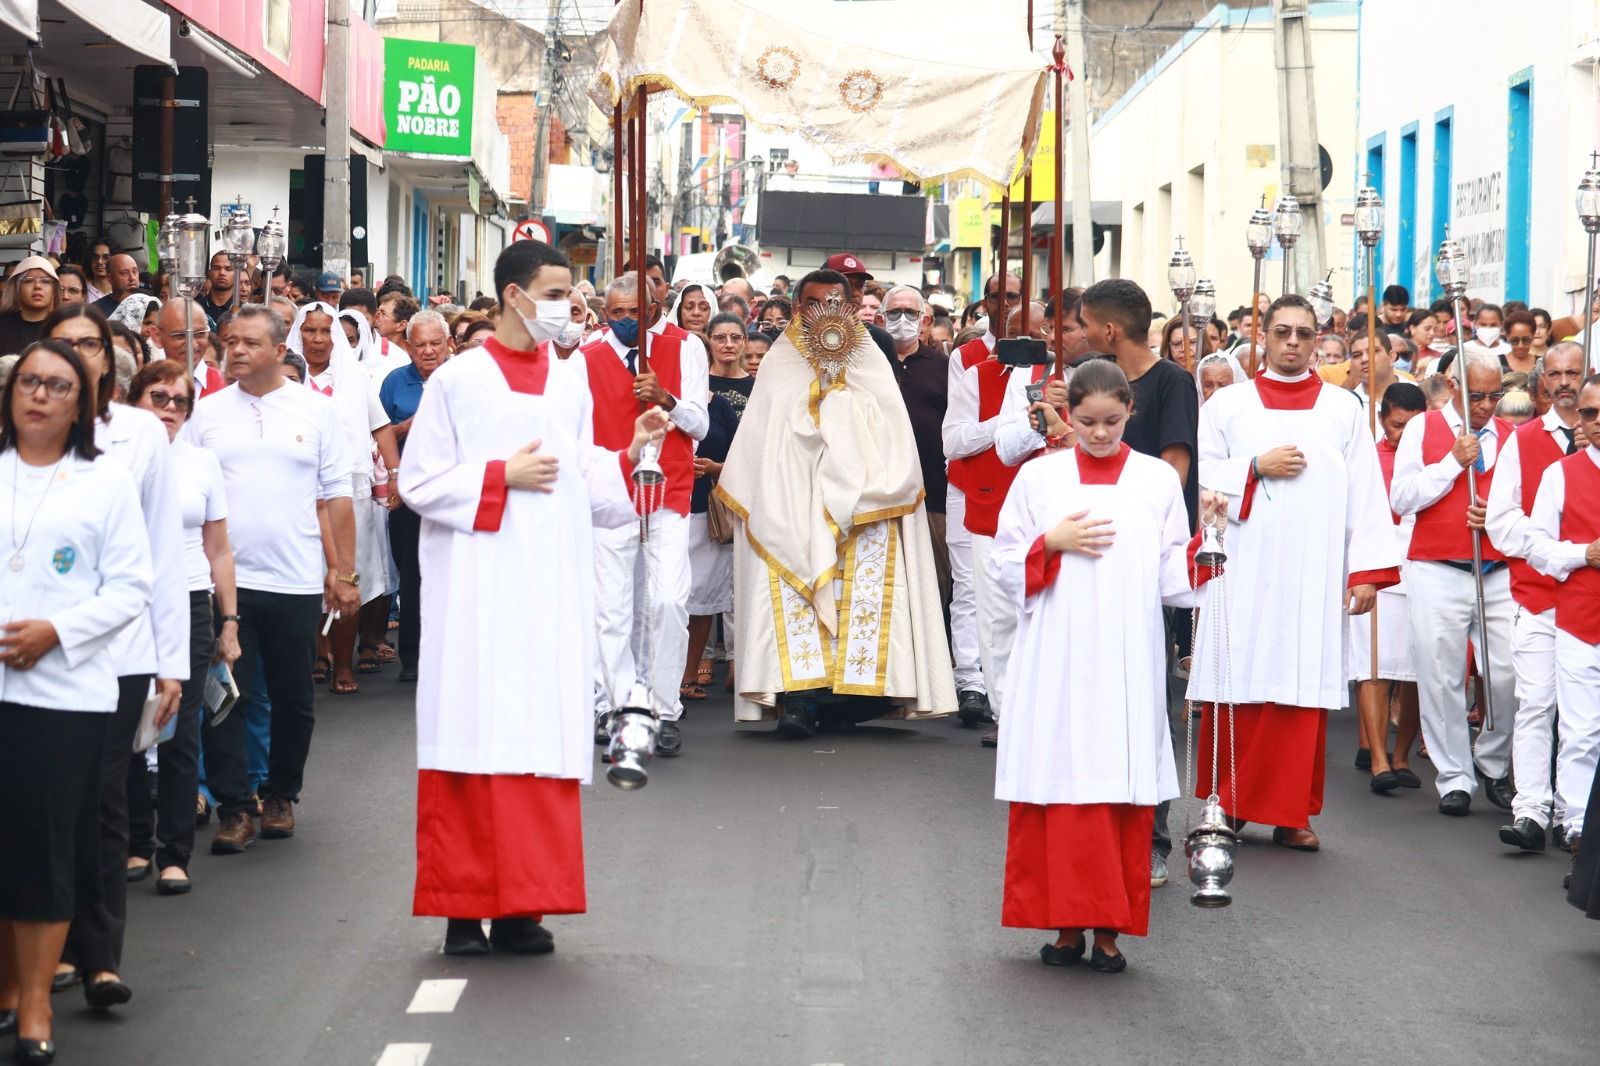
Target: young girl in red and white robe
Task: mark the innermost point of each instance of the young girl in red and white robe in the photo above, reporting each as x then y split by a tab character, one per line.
1092	542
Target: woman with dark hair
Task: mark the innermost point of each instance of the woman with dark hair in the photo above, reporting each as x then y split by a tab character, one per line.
776	316
694	309
1175	349
74	284
151	656
79	572
97	266
165	390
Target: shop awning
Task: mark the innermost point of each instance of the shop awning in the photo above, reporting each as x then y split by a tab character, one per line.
132	24
22	16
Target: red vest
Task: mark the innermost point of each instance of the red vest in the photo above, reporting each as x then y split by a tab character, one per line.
1578	608
214	381
970	354
988	479
1537	450
1441	531
616	409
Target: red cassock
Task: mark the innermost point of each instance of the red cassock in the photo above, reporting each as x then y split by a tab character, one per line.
1284	747
1078	866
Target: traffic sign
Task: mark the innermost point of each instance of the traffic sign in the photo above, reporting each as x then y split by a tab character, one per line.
531	229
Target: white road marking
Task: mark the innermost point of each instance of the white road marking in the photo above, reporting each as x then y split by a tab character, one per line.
405	1055
437	997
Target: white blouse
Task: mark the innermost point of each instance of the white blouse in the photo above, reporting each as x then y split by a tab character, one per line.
202	498
73	550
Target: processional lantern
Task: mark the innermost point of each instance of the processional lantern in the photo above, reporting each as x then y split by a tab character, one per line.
272	245
1369	216
193	251
1321	299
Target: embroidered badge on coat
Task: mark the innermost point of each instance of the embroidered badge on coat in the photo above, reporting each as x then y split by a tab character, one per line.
63	559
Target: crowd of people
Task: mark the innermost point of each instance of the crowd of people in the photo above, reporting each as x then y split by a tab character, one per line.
553	499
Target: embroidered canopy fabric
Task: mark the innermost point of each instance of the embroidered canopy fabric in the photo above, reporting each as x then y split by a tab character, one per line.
792	66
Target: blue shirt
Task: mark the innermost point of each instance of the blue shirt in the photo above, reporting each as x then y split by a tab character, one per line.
401	393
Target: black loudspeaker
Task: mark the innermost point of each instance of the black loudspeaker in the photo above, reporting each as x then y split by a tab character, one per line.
316	169
190	173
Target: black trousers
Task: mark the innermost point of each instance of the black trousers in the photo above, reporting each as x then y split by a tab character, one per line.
94	942
50	799
405	526
283	628
171	818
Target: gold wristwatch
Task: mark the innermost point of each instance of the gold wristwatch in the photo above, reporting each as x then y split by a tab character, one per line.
353	579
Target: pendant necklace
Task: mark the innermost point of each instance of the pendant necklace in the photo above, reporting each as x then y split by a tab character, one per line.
16	563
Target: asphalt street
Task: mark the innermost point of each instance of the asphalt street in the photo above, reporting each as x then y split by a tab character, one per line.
838	901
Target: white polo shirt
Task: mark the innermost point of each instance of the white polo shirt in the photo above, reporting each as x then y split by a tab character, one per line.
280	454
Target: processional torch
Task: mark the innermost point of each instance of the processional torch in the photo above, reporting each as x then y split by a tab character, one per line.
192	256
1286	225
272	245
238	239
1210	845
1258	236
1589	214
1181	278
1369	227
1451	268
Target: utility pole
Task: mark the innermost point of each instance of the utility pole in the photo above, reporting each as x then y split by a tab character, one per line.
544	100
1297	134
1071	13
336	153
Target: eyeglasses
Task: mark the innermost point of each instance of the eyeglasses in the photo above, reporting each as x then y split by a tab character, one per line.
55	388
200	335
161	400
1479	397
37	279
1304	333
1520	342
85	345
1589	414
1011	297
901	313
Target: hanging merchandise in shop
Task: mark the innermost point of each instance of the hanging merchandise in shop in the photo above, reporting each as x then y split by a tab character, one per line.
427	96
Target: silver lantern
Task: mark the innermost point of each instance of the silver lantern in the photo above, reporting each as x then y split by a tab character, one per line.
648	473
1209	848
1321	300
633	728
1211	554
1286	224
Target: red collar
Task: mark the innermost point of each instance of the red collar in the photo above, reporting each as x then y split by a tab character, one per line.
525	372
1107	471
1289	395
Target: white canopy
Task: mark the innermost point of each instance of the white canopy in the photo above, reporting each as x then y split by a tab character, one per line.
803	68
131	23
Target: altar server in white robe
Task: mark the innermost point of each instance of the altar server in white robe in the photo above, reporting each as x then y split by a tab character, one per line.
500	466
1312	540
1092	541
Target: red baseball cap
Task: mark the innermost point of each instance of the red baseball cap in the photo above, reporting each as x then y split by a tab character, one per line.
848	265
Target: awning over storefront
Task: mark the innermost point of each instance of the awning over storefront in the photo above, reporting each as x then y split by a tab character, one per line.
862	223
1101	213
136	26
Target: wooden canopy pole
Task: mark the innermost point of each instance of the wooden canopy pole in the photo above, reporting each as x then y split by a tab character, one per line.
1058	231
619	254
640	214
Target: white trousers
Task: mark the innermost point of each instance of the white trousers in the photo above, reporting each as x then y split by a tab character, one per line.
963	603
620	601
1443	619
1533	654
1578	691
997	623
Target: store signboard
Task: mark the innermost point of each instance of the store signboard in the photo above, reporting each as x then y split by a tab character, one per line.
427	96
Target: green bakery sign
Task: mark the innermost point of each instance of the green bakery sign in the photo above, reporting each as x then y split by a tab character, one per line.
427	96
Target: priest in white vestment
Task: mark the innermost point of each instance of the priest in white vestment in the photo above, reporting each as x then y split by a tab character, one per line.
1310	539
837	602
501	467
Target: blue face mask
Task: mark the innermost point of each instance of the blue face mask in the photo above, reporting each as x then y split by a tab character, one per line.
626	330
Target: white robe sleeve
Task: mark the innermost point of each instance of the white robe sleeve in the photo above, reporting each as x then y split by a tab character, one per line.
433	481
689	413
610	501
1176	590
962	432
126	581
1368	526
1015	439
1016	530
1547	552
1219	470
1418	486
1508	527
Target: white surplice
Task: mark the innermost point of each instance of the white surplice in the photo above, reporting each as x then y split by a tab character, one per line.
1290	560
506	672
1086	721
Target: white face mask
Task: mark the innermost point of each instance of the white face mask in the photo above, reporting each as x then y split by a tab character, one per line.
902	329
1488	335
571	334
551	317
1441	345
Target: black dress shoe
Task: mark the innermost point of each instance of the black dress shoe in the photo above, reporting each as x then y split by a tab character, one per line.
1558	837
602	730
139	873
1051	955
407	676
1499	791
669	742
8	1022
1363	758
990	740
1524	833
799	719
35	1052
972	708
173	886
464	936
1406	778
103	995
521	936
1100	962
1384	783
63	981
1456	804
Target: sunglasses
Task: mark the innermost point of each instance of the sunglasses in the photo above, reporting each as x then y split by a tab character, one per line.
1479	397
1589	414
1304	333
161	400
